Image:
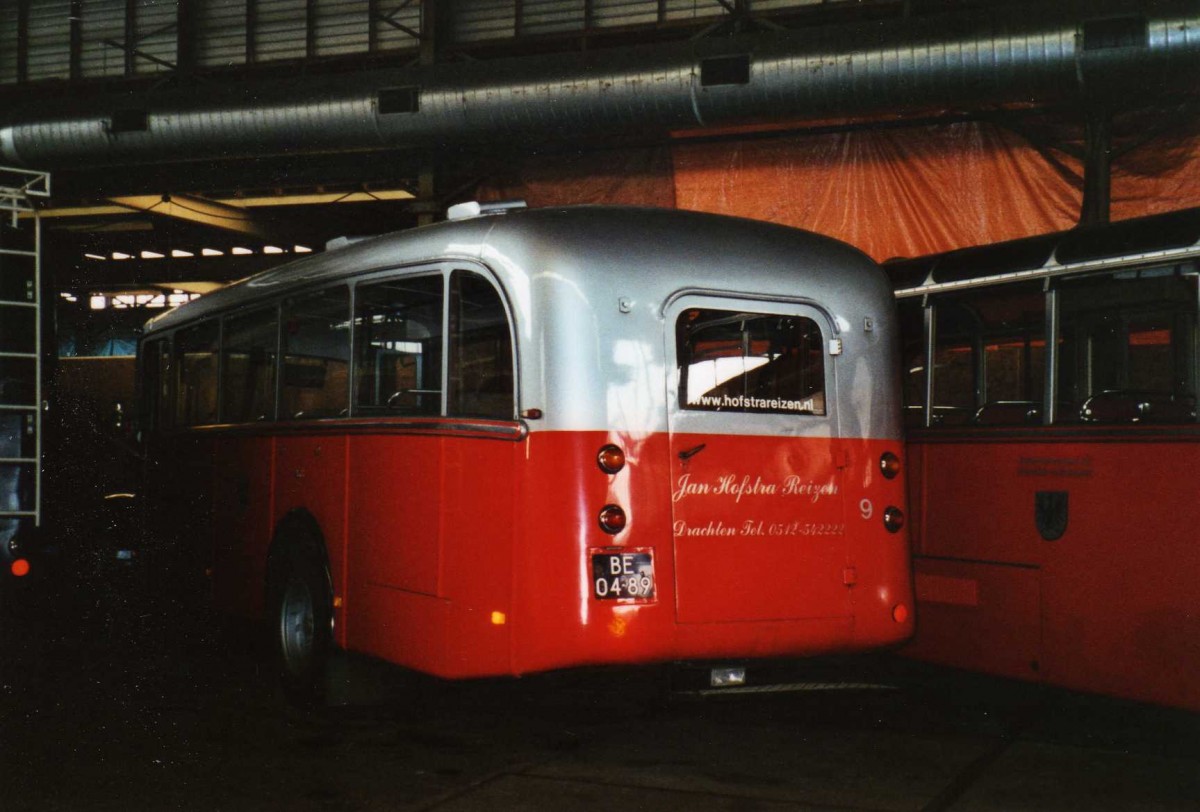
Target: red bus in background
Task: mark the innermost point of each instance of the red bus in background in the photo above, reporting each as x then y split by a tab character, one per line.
1053	455
530	440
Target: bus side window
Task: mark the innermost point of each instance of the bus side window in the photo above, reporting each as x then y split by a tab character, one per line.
196	375
248	367
481	352
156	390
990	357
316	355
912	320
398	346
1129	346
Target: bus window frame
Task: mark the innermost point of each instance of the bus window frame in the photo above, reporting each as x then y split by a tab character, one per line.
682	370
443	269
1051	413
423	271
451	291
177	370
152	407
283	307
276	308
827	424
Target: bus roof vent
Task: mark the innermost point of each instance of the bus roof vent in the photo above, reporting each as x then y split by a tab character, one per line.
473	208
342	242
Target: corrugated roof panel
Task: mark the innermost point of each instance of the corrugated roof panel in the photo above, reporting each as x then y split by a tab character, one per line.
102	20
282	30
157	35
8	43
615	13
785	5
551	16
221	33
678	10
50	40
342	27
391	37
485	20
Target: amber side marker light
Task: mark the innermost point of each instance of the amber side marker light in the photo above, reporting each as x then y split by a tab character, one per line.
20	568
612	519
611	459
889	465
893	519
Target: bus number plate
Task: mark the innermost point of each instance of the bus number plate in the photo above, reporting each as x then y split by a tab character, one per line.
624	576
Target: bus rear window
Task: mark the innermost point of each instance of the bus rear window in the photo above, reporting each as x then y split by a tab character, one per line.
750	362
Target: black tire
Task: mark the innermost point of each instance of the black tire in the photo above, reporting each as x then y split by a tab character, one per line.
301	625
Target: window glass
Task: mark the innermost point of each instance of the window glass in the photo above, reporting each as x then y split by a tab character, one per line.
316	355
750	362
156	390
912	331
398	326
1128	346
481	356
196	368
248	368
990	356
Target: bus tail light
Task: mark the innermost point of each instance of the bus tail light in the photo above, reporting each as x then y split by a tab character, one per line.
20	567
611	459
889	465
893	519
612	519
899	613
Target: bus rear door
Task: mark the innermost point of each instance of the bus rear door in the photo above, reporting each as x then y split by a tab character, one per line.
756	477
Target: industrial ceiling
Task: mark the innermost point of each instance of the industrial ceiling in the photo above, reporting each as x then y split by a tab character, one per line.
239	122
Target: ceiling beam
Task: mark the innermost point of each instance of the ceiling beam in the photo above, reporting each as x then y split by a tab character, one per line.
199	210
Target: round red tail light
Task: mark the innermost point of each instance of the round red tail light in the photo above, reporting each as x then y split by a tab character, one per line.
612	519
889	465
893	519
20	568
611	459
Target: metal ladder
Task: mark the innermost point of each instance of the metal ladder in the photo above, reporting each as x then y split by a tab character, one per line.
20	349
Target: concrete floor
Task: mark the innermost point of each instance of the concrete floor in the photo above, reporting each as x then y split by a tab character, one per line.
131	703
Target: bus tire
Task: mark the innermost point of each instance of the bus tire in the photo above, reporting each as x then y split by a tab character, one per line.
301	627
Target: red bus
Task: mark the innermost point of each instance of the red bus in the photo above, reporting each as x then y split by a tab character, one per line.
528	440
1052	457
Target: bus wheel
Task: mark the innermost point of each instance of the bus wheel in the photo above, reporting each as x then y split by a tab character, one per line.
302	627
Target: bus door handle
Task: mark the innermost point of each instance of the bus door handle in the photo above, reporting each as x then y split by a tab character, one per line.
688	453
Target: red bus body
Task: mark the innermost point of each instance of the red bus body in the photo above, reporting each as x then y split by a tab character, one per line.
1060	545
465	546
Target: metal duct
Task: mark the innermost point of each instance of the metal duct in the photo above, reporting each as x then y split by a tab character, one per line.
1038	53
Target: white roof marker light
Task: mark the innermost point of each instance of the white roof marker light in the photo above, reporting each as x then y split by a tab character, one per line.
473	208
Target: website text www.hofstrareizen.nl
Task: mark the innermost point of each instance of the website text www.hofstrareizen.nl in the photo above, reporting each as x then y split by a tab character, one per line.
750	402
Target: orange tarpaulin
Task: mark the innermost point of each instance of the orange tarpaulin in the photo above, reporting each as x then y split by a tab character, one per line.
640	177
1160	176
891	192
